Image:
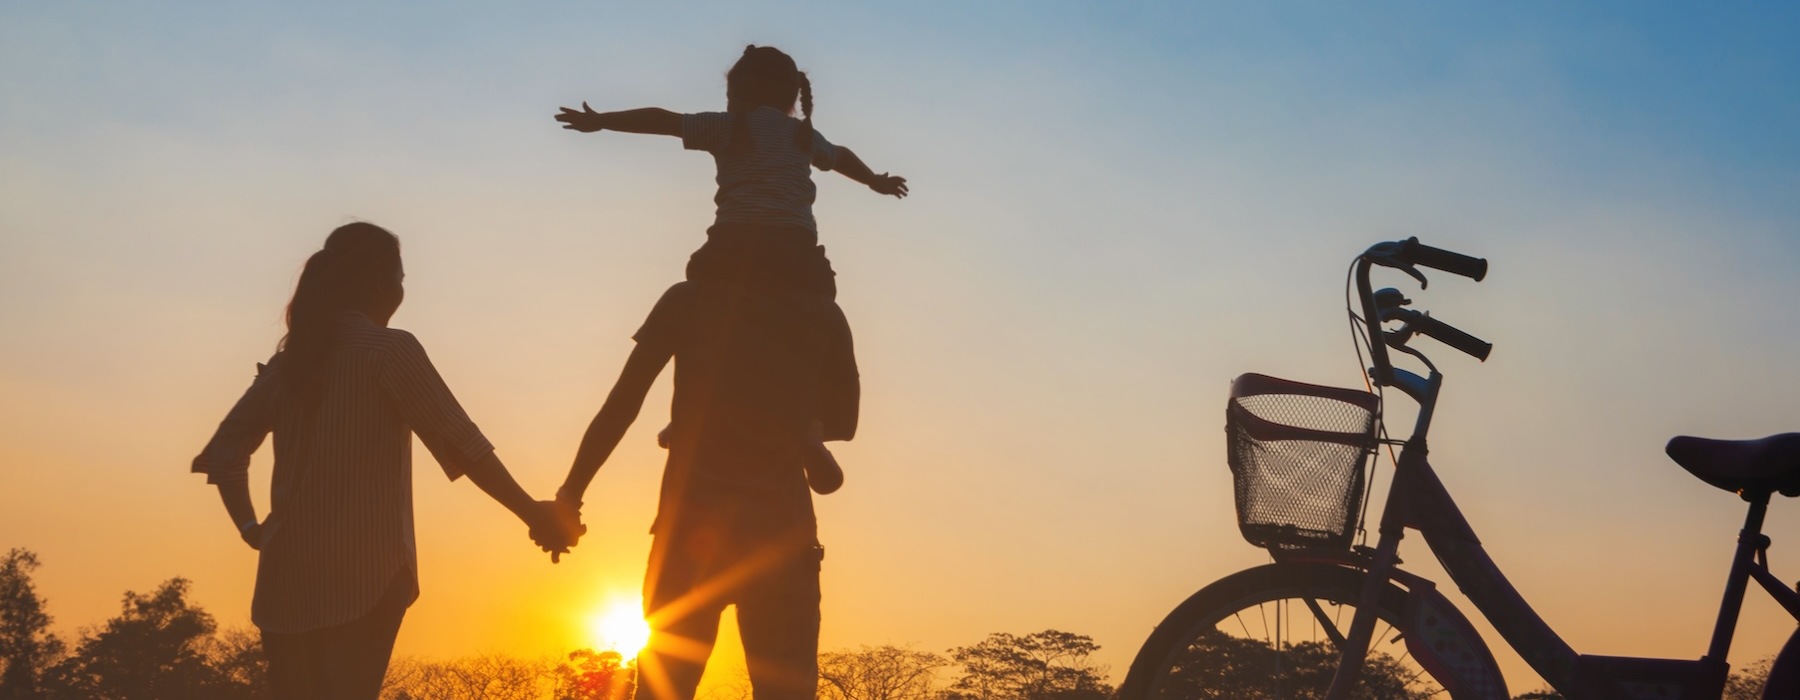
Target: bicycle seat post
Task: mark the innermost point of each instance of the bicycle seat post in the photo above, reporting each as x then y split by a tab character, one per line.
1751	541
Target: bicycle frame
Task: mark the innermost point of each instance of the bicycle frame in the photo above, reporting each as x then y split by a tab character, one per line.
1419	500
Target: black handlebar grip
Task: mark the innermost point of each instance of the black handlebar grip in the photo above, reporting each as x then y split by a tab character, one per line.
1448	261
1453	337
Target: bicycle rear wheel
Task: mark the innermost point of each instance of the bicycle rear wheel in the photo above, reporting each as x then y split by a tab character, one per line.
1272	633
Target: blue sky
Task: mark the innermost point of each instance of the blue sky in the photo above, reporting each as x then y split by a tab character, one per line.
1116	209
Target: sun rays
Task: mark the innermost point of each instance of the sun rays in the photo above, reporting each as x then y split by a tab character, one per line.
619	626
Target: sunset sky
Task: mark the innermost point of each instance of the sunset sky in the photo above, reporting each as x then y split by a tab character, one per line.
1116	209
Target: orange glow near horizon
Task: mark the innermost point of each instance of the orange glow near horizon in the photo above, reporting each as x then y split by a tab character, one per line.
619	626
1117	210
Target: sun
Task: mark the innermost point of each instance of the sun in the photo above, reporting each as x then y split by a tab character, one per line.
620	627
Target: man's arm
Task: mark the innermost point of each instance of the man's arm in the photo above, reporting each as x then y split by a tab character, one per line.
649	120
852	167
615	416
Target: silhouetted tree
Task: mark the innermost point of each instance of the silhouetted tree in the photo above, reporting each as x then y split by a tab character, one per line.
1383	677
1545	694
595	675
237	655
483	677
27	647
1747	683
1220	666
885	672
1047	665
156	648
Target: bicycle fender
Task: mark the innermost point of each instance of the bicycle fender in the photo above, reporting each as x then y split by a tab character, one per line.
1444	642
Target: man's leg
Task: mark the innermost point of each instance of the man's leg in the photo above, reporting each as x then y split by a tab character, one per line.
683	613
779	619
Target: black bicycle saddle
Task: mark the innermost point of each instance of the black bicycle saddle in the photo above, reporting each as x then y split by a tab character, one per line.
1771	464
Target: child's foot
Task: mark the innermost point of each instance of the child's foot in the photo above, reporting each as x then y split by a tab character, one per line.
822	471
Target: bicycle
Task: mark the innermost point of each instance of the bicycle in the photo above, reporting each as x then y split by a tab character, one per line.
1301	456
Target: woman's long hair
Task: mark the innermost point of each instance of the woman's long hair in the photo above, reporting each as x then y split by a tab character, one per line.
358	266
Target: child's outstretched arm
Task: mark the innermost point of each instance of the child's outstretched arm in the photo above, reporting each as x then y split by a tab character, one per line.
852	167
649	120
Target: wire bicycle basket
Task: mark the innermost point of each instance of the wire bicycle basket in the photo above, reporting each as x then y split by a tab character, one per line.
1298	454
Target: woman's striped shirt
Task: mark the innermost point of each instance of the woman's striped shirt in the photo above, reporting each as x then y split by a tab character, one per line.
340	525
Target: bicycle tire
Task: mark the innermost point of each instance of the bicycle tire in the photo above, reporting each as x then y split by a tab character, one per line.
1784	673
1158	672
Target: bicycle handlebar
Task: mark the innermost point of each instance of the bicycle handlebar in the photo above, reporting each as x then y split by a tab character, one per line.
1448	335
1404	256
1439	259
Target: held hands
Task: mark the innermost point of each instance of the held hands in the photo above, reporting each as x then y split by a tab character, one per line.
585	120
556	528
885	184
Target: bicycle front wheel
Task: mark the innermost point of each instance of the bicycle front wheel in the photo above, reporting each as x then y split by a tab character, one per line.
1272	633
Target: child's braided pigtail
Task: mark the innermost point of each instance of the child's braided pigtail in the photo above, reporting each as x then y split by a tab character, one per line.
805	137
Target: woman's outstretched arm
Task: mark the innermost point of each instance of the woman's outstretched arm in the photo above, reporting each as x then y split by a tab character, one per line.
649	120
492	477
615	416
418	393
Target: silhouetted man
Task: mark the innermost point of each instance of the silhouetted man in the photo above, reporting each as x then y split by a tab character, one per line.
760	373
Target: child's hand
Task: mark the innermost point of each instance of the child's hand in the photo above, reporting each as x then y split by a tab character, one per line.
885	184
586	120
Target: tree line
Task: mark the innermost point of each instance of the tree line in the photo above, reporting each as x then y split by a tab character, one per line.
163	646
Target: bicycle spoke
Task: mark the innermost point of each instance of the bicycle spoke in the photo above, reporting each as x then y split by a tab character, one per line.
1281	629
1239	616
1413	679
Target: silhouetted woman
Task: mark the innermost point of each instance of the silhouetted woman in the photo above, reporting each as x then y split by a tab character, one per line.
343	395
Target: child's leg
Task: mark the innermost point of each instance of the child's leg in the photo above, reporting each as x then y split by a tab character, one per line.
781	259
